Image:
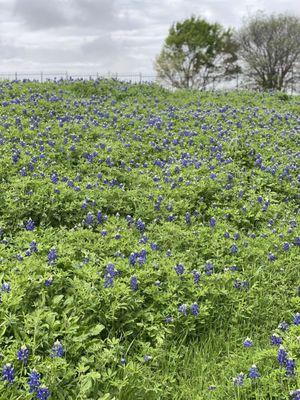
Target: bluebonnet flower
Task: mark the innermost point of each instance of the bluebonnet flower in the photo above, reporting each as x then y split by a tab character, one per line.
297	241
33	247
154	246
134	283
5	287
234	249
168	253
104	233
286	246
43	393
30	225
169	319
48	282
143	239
8	373
100	217
123	361
52	256
276	340
196	276
57	350
132	258
248	342
129	219
227	235
239	379
195	309
140	225
295	394
109	275
188	218
240	285
54	177
23	354
208	268
34	381
23	171
296	319
89	219
281	355
212	222
290	367
283	326
183	309
253	373
147	358
179	268
271	257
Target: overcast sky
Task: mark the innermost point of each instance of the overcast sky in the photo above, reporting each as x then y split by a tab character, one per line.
103	36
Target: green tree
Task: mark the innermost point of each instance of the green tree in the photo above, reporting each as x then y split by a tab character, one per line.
270	49
195	53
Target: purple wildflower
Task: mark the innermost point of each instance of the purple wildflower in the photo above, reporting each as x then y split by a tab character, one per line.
57	350
52	256
30	225
290	367
43	393
253	373
281	355
239	379
8	373
296	319
248	342
276	340
183	309
23	354
179	268
134	283
195	309
34	381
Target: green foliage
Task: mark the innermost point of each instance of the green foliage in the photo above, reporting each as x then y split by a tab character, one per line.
176	161
195	52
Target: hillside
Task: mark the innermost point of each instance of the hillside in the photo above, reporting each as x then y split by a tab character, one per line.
149	243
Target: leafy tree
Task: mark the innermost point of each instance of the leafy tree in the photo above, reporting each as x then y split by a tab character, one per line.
195	53
270	48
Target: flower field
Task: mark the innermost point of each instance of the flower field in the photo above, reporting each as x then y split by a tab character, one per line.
149	243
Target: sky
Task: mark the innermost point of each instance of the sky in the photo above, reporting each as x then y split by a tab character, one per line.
106	36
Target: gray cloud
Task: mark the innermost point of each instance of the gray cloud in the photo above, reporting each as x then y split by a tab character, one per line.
105	35
41	14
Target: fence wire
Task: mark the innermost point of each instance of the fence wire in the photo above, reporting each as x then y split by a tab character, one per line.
237	82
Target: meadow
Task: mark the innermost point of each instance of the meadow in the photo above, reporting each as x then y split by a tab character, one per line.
149	243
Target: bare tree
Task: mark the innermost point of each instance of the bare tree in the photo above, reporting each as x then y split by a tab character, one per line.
270	48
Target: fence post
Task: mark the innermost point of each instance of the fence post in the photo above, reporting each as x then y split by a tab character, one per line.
41	77
237	81
16	76
140	77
